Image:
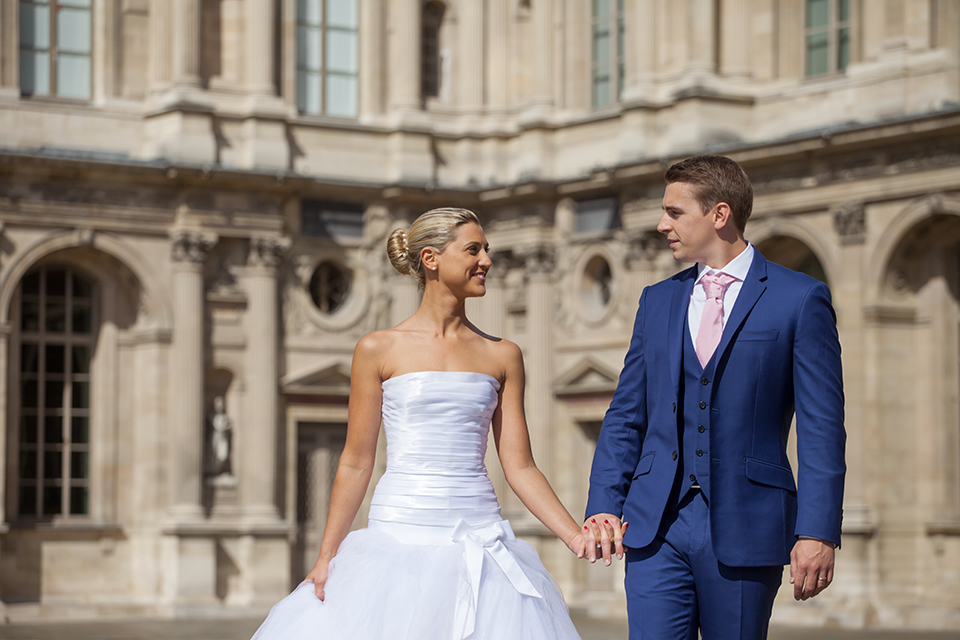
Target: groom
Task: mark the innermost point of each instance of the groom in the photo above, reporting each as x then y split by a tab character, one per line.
692	452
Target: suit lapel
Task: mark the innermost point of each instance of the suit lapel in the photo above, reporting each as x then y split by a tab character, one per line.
753	287
678	315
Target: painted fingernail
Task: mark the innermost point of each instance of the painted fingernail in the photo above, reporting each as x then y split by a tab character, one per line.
584	526
592	520
606	522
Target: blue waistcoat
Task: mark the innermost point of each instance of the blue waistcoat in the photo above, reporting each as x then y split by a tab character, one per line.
693	421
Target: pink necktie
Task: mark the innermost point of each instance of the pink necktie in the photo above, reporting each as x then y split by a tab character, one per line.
711	322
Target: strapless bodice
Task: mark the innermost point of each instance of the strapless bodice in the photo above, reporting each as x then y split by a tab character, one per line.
436	423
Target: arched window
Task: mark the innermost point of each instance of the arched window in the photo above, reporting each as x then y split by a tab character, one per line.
56	341
430	63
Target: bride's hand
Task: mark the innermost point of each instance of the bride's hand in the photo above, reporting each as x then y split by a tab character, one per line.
318	575
577	543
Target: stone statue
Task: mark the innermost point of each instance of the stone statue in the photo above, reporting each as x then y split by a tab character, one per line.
220	437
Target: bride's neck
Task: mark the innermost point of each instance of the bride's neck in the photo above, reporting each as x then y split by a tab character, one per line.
443	313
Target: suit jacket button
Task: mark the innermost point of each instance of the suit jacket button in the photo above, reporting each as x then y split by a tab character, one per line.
703	405
693	478
704	382
699	452
674	455
701	428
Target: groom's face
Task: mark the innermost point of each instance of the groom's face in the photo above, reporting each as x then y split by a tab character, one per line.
690	231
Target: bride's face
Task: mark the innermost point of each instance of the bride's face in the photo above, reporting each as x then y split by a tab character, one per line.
463	265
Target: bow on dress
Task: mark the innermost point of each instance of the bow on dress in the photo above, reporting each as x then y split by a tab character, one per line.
488	538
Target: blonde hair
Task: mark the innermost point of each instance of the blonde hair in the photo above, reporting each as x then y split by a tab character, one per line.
436	228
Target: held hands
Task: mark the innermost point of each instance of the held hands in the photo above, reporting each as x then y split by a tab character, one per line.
603	533
811	567
318	575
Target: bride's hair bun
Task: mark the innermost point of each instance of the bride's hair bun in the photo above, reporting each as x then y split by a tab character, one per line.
436	228
399	252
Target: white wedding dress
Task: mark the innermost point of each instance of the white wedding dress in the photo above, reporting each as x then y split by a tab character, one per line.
436	561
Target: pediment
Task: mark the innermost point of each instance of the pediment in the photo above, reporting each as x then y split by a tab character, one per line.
586	376
328	379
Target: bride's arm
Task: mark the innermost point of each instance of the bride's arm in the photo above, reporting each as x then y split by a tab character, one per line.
359	453
516	457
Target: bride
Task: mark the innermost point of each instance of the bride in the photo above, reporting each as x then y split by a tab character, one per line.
436	560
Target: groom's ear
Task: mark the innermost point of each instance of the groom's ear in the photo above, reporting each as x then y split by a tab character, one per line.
722	215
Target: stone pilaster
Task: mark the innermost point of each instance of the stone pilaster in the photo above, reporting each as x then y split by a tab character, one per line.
260	47
735	39
186	43
470	44
259	439
640	51
404	62
187	420
5	330
702	36
498	71
543	28
372	37
538	262
160	45
9	55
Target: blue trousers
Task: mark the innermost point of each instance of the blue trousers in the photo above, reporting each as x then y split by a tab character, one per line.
676	587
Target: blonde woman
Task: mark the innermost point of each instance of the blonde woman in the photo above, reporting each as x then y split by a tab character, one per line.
437	562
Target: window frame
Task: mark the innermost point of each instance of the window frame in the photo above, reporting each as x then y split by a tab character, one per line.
323	29
832	30
54	51
44	338
615	65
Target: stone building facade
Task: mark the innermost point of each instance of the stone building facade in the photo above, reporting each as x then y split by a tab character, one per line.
194	199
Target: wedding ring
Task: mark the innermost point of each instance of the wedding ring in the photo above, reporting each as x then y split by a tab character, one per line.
822	580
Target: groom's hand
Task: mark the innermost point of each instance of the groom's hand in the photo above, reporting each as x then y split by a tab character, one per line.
603	535
811	567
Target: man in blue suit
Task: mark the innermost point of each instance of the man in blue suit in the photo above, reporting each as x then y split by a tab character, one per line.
691	478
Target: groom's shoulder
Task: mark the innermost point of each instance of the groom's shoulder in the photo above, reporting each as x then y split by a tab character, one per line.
668	285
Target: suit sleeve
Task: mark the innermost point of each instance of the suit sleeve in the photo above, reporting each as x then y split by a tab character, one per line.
622	432
821	438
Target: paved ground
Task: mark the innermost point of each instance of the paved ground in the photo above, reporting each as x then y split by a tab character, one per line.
243	629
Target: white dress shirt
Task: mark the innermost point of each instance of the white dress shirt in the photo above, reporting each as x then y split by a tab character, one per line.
737	268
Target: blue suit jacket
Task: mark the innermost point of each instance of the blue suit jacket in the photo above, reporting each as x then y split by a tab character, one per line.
779	350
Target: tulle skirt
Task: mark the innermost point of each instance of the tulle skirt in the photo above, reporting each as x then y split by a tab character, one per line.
426	583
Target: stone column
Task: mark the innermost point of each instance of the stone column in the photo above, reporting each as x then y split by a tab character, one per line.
470	30
498	71
160	44
5	330
372	36
259	438
542	54
539	262
735	39
404	63
260	47
702	36
186	43
187	423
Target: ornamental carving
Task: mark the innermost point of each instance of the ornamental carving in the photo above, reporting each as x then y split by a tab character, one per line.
191	246
267	251
537	258
851	224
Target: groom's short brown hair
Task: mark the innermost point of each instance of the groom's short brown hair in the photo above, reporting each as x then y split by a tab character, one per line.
716	179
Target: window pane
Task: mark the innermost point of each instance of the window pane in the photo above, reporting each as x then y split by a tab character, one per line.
28	500
56	282
55	358
308	48
81	395
28	394
601	90
56	317
34	26
28	465
80	430
29	357
79	468
81	359
81	287
601	44
52	430
843	10
341	51
597	215
342	96
53	394
75	3
601	8
30	315
82	318
817	54
52	500
73	76
818	13
308	11
73	30
843	49
31	284
28	429
308	92
34	73
342	13
52	465
78	500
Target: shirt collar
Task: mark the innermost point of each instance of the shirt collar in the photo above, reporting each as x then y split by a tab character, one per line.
739	267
